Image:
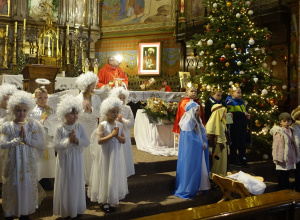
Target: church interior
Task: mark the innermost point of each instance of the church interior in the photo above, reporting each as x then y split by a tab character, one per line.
66	38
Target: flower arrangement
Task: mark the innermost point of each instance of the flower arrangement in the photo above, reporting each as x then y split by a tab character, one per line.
156	108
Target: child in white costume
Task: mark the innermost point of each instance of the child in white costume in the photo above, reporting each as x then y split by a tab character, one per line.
6	90
70	140
127	119
91	111
108	181
22	142
42	113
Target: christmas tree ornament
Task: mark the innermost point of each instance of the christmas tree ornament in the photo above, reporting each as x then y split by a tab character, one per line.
242	11
199	43
212	73
242	72
207	27
203	87
211	63
227	64
264	92
232	46
238	15
247	2
244	80
223	20
250	12
215	5
198	57
264	65
208	87
192	54
257	123
284	87
251	41
210	42
239	28
248	60
239	63
262	105
230	83
222	59
255	79
268	36
201	53
227	46
228	4
218	30
274	62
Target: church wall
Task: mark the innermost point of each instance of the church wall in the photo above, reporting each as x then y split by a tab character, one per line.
123	26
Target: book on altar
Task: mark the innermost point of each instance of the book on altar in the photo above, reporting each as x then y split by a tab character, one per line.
147	83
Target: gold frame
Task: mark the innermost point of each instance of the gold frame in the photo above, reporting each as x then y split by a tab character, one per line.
8	10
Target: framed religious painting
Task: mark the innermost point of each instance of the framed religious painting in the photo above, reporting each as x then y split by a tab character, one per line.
4	8
149	59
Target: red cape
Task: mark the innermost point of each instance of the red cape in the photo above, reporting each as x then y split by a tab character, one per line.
181	110
109	73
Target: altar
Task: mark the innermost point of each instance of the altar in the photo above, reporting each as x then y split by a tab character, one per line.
157	139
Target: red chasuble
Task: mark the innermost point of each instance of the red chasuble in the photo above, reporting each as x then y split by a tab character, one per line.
167	88
181	110
109	73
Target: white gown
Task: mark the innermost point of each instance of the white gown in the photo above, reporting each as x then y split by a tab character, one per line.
128	122
69	187
46	165
108	181
20	184
90	123
2	115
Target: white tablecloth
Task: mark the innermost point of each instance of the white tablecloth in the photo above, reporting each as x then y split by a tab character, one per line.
62	83
141	96
153	138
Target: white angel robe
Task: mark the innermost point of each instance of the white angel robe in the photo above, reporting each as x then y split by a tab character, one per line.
20	184
46	165
69	187
108	181
128	122
90	123
2	115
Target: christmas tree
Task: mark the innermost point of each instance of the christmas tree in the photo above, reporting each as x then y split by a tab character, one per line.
233	51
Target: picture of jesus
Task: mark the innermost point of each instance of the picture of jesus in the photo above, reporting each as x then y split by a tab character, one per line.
149	58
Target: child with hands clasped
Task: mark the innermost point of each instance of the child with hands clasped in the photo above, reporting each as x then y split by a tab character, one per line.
70	140
91	102
127	119
296	126
192	173
284	149
22	142
42	113
238	130
108	180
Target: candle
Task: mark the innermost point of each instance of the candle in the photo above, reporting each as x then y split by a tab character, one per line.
6	30
24	28
16	27
68	29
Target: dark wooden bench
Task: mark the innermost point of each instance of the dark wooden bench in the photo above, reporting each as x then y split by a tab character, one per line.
281	205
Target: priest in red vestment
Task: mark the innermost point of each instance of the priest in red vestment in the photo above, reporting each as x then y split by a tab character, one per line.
191	93
110	72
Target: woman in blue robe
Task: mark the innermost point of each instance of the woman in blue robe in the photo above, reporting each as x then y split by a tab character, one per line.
192	174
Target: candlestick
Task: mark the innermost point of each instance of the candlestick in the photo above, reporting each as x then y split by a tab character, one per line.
6	34
16	27
24	28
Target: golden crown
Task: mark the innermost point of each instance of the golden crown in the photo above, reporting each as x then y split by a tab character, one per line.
217	88
190	85
234	87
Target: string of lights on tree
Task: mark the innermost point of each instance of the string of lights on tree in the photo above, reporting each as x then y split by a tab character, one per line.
233	52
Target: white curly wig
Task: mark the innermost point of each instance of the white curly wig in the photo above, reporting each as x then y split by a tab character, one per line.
7	89
67	104
115	92
19	97
85	79
108	104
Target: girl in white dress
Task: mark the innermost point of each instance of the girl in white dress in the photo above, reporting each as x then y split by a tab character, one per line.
127	119
108	181
6	90
22	142
70	140
91	102
42	112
